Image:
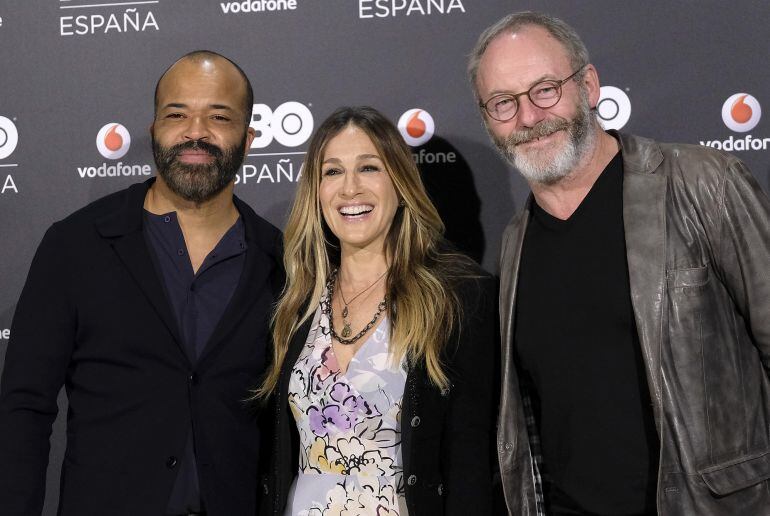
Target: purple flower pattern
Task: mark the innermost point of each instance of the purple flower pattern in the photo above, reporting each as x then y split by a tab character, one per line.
349	426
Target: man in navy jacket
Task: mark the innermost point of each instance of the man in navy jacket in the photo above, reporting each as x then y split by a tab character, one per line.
151	306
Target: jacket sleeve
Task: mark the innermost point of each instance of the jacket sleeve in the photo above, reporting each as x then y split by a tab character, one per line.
466	461
42	337
744	252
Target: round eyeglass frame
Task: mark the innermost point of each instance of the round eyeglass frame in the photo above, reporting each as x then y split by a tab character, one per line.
515	97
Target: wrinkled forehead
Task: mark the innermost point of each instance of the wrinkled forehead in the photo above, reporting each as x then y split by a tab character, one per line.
526	55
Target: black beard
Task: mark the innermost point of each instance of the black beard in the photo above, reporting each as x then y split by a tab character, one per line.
198	183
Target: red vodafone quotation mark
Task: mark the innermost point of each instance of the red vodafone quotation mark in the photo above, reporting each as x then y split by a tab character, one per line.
113	141
416	126
741	112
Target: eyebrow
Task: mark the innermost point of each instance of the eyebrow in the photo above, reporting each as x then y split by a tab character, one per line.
358	158
179	105
368	156
539	79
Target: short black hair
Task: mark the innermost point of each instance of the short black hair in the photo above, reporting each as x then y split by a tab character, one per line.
199	55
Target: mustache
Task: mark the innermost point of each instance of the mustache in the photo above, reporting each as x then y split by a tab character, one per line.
176	150
540	130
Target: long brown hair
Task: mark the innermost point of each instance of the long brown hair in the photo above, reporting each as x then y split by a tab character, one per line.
423	306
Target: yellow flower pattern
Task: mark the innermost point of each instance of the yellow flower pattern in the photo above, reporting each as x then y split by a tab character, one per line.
349	427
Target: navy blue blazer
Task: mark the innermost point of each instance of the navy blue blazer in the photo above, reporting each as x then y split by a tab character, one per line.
93	316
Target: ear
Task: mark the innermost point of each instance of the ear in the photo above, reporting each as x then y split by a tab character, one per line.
591	83
251	133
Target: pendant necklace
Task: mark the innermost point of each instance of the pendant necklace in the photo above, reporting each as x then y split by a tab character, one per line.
345	312
342	339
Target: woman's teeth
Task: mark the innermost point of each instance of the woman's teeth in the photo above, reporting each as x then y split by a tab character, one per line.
356	210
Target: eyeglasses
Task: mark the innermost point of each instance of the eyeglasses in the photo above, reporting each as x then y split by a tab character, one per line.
544	94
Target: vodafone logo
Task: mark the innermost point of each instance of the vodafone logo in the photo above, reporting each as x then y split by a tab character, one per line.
9	137
741	112
613	108
416	126
113	141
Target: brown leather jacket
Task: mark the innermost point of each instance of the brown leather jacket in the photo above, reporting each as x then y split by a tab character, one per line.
697	231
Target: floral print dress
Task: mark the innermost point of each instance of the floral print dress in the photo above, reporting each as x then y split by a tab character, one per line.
349	427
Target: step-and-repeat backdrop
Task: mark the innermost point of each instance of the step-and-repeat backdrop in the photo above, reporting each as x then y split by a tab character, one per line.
77	79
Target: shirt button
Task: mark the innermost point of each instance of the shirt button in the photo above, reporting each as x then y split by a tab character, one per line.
180	252
412	480
440	489
193	378
415	421
243	246
166	219
171	462
265	489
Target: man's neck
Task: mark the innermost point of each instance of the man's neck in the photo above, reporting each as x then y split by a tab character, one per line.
211	215
203	224
561	199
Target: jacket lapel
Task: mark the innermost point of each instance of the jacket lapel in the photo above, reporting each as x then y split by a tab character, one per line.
123	230
644	220
510	259
510	418
133	252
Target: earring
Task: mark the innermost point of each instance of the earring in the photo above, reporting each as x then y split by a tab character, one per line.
401	203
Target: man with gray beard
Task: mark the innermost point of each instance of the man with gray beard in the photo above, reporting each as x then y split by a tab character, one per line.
151	307
634	300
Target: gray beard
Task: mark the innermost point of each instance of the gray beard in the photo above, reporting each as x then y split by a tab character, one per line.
549	166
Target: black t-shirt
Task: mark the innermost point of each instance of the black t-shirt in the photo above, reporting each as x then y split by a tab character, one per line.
579	352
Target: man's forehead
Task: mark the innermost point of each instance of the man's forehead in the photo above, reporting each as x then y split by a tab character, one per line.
201	64
201	76
528	44
517	60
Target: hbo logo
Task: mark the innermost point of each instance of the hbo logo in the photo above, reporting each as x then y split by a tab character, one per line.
291	124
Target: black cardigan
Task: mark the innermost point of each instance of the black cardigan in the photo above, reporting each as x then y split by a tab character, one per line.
445	434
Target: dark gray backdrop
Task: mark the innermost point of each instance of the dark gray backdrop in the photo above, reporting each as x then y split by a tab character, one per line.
70	67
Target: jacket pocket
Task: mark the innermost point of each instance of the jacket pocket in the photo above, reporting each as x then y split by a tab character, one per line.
734	475
693	277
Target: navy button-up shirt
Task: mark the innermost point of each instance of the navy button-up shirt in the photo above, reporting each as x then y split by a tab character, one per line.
198	301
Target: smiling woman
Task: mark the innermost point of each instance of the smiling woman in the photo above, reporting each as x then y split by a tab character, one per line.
380	324
357	197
